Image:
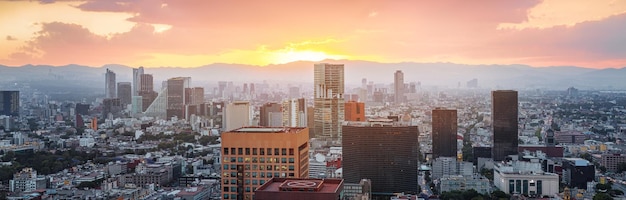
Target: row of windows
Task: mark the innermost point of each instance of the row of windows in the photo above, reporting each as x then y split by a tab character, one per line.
261	181
234	196
261	167
257	174
234	189
257	160
258	151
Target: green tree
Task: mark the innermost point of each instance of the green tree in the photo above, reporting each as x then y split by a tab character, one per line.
621	167
602	196
587	157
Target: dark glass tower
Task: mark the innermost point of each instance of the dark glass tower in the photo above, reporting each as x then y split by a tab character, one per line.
444	133
383	152
10	103
504	118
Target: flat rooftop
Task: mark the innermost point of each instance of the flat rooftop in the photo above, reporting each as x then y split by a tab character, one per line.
302	185
259	129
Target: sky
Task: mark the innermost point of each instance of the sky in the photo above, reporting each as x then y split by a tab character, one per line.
192	33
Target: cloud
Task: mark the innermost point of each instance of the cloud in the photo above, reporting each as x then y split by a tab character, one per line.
373	14
10	38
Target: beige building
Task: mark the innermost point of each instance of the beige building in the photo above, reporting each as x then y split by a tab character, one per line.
254	155
525	178
329	100
237	115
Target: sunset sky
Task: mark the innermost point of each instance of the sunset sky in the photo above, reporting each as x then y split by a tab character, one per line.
191	33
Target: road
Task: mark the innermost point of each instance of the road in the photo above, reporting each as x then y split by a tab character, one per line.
425	187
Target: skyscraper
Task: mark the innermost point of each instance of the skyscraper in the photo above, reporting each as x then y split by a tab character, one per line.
109	84
329	101
504	116
10	103
444	135
124	92
137	82
175	97
382	151
254	155
398	87
146	82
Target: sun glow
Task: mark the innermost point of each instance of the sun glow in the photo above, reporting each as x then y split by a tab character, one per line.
306	55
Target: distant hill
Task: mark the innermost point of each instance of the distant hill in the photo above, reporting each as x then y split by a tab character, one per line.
428	74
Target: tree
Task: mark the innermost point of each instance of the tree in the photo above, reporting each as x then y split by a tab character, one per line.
603	169
603	187
587	157
602	196
498	194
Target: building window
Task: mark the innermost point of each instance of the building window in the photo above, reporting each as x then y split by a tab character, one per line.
232	151
269	151
226	196
283	151
247	151
226	159
276	151
226	189
262	160
225	151
261	182
225	166
254	174
247	159
240	159
291	168
239	151
254	160
262	174
291	160
283	160
262	151
254	151
291	151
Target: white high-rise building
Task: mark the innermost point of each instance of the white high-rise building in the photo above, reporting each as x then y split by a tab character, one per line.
237	115
525	178
294	113
137	80
398	87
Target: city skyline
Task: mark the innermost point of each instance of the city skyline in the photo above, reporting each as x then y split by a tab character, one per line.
164	33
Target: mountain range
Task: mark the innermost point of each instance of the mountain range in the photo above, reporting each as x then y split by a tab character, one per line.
449	75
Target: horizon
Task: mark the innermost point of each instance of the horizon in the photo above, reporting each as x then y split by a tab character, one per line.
188	35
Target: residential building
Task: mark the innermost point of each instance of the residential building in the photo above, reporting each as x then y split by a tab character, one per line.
24	181
295	113
611	161
462	183
444	133
252	155
504	116
444	166
383	151
328	100
194	193
358	191
300	188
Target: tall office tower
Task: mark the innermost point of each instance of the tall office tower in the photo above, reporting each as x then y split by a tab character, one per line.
279	152
10	103
444	133
175	97
109	84
271	115
147	82
382	151
398	87
158	107
145	93
504	118
137	80
124	92
221	88
355	111
294	113
237	115
364	83
197	95
328	101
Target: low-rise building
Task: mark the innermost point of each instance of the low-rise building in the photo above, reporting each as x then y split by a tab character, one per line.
459	182
301	189
525	178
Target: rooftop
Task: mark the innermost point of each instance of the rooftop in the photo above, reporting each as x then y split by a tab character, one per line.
301	185
258	129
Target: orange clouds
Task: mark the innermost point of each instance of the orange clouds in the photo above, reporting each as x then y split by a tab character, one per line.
183	33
